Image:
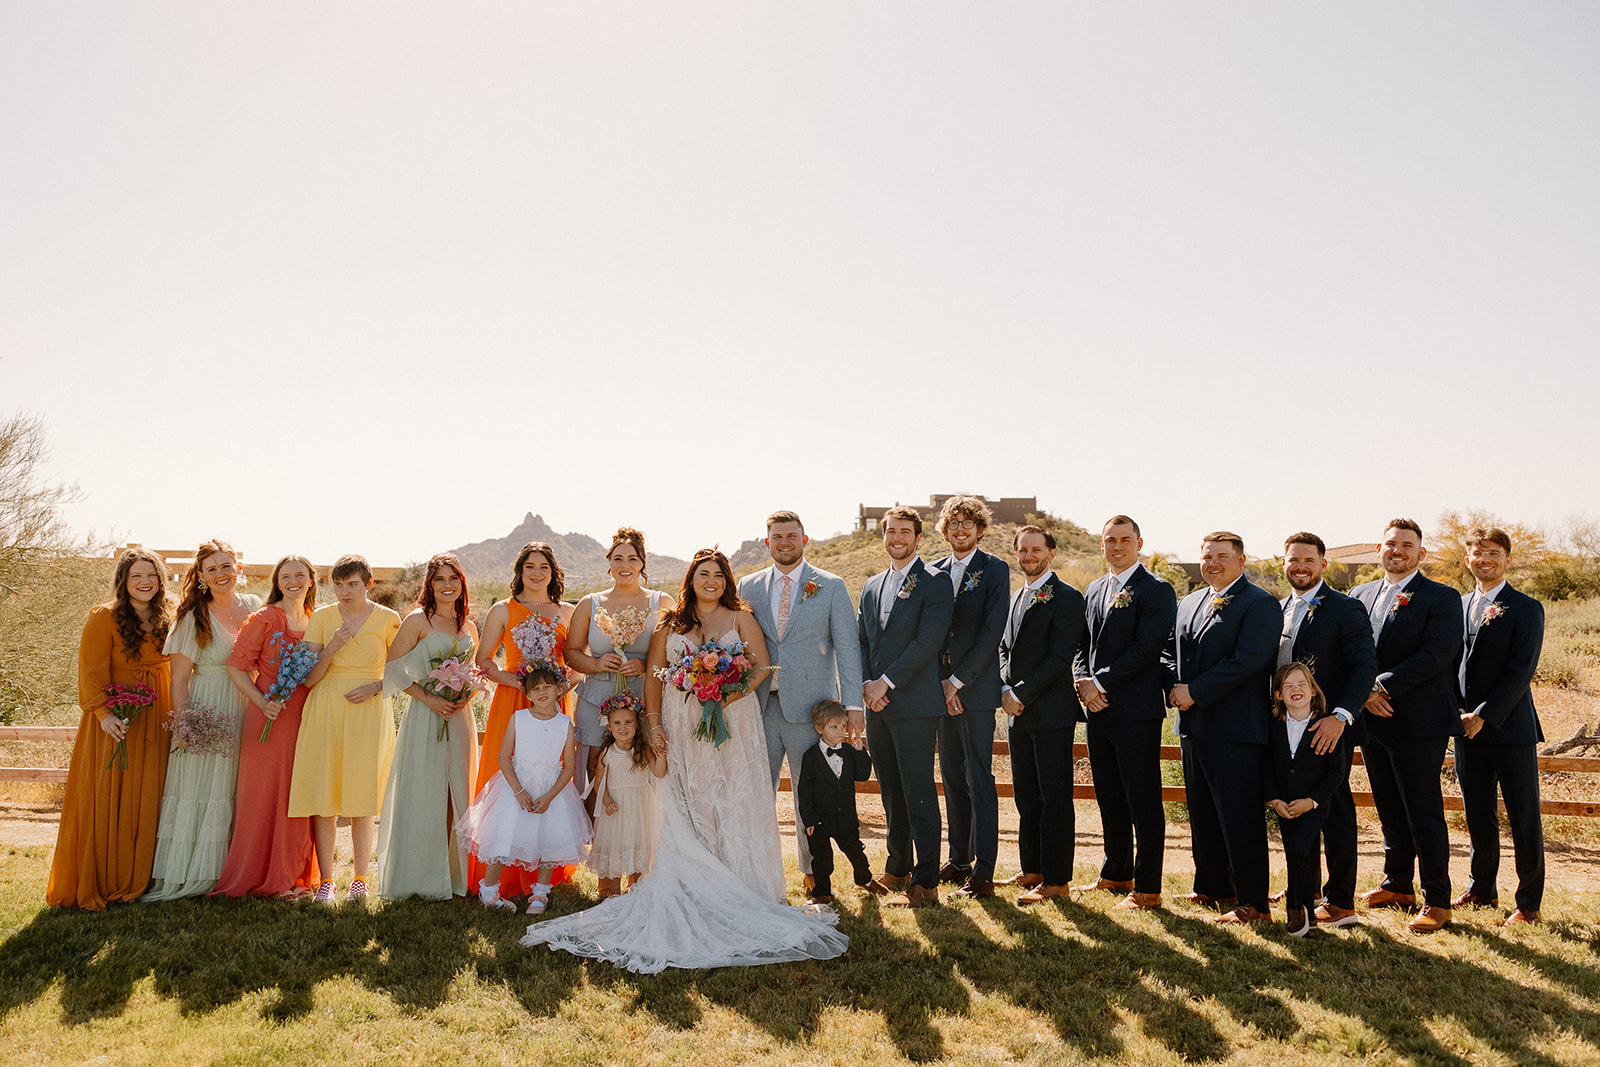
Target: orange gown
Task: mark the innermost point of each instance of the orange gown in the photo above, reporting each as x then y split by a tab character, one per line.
508	699
106	843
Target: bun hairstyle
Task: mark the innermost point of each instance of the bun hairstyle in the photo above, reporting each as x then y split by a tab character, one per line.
627	535
129	626
274	594
196	595
425	598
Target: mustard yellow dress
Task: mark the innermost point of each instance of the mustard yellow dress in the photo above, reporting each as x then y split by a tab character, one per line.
342	756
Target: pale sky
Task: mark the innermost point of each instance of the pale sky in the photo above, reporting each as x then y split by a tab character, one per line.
385	277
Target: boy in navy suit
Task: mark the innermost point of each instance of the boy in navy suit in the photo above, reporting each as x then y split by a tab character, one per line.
1298	782
826	803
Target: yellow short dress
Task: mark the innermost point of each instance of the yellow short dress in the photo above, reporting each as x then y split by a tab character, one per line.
341	759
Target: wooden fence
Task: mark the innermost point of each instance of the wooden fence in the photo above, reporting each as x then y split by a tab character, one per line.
179	558
1578	764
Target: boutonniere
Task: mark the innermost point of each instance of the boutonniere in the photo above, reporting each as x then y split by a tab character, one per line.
809	590
905	588
972	582
1311	608
1491	613
1218	603
1042	595
1401	599
1121	600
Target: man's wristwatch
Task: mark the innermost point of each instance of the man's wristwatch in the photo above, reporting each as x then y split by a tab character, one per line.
1343	716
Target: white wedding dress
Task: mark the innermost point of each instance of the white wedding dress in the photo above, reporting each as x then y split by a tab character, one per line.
714	896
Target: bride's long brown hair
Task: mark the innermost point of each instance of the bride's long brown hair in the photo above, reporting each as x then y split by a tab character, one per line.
686	616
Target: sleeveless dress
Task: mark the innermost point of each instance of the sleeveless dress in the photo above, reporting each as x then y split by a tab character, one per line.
430	787
622	842
596	688
341	761
714	894
508	699
271	853
197	804
498	830
106	840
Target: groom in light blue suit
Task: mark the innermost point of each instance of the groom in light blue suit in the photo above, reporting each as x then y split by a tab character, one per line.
810	627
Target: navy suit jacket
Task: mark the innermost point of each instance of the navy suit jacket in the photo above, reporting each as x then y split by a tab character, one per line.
1417	653
829	800
1123	647
906	650
972	650
1293	776
1500	666
1226	659
1335	639
1036	661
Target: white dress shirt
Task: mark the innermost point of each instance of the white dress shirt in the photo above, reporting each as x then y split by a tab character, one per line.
834	760
1026	593
894	579
1114	584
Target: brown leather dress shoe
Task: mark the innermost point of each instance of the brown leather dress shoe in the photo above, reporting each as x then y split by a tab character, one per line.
1107	884
1523	918
876	888
1333	915
975	888
1299	922
1244	913
1209	902
1023	879
950	874
1041	893
1382	898
808	883
1138	902
915	896
1430	920
823	898
1473	900
895	882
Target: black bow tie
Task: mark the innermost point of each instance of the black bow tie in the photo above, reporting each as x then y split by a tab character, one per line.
832	751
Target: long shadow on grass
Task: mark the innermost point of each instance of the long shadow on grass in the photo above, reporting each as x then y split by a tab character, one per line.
208	953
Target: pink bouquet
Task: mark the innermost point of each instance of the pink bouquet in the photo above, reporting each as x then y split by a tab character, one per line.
200	730
623	628
126	702
711	673
535	638
452	676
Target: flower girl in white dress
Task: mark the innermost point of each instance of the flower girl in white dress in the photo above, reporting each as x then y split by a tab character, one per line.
625	816
529	813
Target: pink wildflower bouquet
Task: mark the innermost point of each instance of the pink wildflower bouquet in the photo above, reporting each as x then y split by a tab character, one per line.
126	702
623	628
452	676
711	673
201	730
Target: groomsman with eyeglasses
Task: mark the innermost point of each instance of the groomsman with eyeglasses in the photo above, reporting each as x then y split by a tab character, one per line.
1118	678
1329	632
969	670
1504	635
1411	714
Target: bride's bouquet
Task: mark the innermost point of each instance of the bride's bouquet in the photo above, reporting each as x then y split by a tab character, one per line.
623	628
710	673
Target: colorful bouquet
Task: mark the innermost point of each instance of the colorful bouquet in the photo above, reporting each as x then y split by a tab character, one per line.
126	702
623	628
294	666
535	638
453	676
711	672
200	730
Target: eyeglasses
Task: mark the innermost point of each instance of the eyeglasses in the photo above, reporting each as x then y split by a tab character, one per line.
962	524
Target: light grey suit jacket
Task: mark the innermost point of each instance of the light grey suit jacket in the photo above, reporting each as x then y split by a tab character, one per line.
819	656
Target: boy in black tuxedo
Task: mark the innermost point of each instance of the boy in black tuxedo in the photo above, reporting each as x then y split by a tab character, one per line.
829	772
1294	769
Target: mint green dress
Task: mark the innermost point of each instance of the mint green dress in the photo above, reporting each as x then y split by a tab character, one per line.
197	803
430	787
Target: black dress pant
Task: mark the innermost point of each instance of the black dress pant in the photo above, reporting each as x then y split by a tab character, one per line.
1515	770
1227	819
1410	803
1125	756
820	843
1339	834
902	754
971	803
1041	782
1301	843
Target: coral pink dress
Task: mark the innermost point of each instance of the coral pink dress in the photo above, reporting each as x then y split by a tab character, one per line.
271	853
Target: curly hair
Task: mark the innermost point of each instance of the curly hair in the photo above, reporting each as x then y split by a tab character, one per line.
129	626
195	597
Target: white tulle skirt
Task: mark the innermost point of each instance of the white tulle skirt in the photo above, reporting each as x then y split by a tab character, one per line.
497	830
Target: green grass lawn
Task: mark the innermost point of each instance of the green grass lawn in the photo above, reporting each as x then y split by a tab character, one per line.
261	982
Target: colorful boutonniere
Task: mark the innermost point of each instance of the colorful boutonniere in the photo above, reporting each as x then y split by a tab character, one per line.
906	587
1218	603
1401	599
1042	595
1311	608
1121	600
972	582
810	590
1491	613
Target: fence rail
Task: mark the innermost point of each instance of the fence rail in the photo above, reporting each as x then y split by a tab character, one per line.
1172	753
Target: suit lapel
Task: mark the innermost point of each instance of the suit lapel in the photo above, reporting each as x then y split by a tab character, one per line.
762	604
1038	606
918	570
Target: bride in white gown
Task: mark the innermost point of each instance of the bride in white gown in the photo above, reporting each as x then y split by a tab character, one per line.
714	896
